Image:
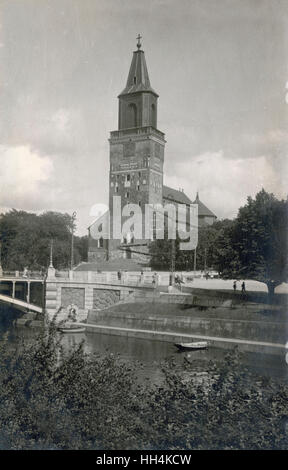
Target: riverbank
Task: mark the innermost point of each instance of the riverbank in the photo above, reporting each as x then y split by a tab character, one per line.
184	318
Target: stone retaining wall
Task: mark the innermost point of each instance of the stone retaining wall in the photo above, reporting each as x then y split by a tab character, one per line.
195	322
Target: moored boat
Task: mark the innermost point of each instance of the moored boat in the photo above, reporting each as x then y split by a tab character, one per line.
191	346
68	328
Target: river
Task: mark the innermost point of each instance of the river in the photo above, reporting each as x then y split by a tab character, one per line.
150	352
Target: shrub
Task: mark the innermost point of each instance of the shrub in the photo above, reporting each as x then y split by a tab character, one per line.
56	399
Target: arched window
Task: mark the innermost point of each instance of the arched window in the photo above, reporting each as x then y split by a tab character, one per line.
153	116
132	115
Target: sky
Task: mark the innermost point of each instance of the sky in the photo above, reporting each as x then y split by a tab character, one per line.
219	67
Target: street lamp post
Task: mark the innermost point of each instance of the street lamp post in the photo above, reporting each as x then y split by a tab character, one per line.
51	254
1	270
51	270
172	261
72	241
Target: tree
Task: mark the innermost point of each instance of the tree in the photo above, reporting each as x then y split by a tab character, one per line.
26	238
161	250
208	236
255	245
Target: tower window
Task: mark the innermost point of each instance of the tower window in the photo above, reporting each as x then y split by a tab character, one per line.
134	80
127	194
153	116
138	187
154	226
132	115
127	181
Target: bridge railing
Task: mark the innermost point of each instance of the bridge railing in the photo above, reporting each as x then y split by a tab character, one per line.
112	277
127	277
23	274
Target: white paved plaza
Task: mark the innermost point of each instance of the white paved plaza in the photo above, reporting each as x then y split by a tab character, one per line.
228	284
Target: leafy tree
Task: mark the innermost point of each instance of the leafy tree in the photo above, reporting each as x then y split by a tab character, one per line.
161	250
26	238
208	236
255	245
81	247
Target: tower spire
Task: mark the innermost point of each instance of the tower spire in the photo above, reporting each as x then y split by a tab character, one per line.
138	77
138	100
139	43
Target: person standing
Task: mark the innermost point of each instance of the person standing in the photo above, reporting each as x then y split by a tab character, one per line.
243	287
234	286
154	279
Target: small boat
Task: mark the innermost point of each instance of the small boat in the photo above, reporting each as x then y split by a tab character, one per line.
71	329
190	346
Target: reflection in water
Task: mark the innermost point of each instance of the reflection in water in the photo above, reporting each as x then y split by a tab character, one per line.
149	353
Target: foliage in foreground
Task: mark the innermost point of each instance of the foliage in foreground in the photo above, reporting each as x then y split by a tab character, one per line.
52	399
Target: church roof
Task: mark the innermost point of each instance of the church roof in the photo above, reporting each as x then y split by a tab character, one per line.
175	195
138	78
202	209
181	198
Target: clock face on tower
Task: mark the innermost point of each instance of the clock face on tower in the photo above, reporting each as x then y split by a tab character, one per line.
129	149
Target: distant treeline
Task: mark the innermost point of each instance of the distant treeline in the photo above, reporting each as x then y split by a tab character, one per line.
26	239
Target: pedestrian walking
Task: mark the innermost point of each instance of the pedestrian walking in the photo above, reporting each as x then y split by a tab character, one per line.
243	287
234	286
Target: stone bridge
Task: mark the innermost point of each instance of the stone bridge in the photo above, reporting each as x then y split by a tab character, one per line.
60	291
89	290
23	292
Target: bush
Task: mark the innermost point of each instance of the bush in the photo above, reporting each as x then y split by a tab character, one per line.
54	399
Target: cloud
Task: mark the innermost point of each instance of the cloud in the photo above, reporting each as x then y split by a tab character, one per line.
23	174
224	184
59	132
271	137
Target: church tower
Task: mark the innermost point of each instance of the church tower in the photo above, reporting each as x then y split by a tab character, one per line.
136	171
137	147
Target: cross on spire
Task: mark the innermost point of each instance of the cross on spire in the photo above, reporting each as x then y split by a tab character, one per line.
139	43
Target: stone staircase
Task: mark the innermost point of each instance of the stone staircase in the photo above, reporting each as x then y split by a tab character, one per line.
30	319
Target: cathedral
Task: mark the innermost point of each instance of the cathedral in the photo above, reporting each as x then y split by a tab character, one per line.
136	168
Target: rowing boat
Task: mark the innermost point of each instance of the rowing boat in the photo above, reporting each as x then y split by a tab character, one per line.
71	329
191	346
